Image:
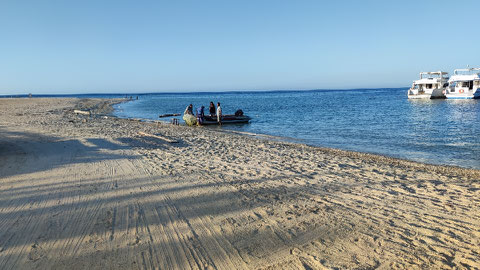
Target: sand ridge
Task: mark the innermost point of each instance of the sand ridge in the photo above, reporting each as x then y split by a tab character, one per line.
89	192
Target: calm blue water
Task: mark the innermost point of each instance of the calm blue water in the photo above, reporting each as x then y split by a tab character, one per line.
381	121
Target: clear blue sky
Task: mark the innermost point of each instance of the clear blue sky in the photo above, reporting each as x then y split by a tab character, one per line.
153	46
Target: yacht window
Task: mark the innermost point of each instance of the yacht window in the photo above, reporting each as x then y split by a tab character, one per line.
445	85
429	86
470	85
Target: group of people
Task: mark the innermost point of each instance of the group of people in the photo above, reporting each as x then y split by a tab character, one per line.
200	113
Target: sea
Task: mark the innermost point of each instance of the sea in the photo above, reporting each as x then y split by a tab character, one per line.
379	121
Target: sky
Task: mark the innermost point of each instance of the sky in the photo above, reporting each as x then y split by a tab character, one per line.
69	47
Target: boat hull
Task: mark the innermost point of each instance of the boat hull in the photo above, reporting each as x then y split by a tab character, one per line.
467	95
191	120
435	94
226	119
438	93
461	97
420	96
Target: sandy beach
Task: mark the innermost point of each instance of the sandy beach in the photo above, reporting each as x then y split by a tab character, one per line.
96	192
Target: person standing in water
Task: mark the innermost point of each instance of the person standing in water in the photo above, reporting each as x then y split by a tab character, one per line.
200	115
219	113
212	109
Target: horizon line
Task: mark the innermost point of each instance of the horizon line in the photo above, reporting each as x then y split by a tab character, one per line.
198	92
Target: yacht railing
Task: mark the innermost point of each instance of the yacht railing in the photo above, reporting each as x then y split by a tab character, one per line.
434	74
466	71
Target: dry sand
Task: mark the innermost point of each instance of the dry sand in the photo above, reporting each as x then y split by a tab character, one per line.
88	192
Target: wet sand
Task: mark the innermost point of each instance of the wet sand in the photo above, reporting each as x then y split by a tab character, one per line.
90	192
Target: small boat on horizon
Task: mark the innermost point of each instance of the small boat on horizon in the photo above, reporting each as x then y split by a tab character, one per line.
464	84
430	85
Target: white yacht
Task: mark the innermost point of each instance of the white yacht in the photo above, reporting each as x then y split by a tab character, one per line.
430	85
464	84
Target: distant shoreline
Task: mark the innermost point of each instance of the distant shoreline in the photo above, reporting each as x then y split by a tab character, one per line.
93	95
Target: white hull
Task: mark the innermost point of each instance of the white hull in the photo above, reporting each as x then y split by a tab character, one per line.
460	97
468	95
436	93
419	96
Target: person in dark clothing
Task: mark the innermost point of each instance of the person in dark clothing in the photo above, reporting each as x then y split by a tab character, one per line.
212	109
189	110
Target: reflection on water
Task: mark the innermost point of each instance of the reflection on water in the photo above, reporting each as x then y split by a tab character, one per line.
463	110
379	121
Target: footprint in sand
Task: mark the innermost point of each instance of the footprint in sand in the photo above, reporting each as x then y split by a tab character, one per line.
36	252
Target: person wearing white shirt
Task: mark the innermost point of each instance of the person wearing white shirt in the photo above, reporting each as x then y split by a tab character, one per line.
219	113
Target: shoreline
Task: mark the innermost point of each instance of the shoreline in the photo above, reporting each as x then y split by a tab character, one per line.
358	154
105	192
